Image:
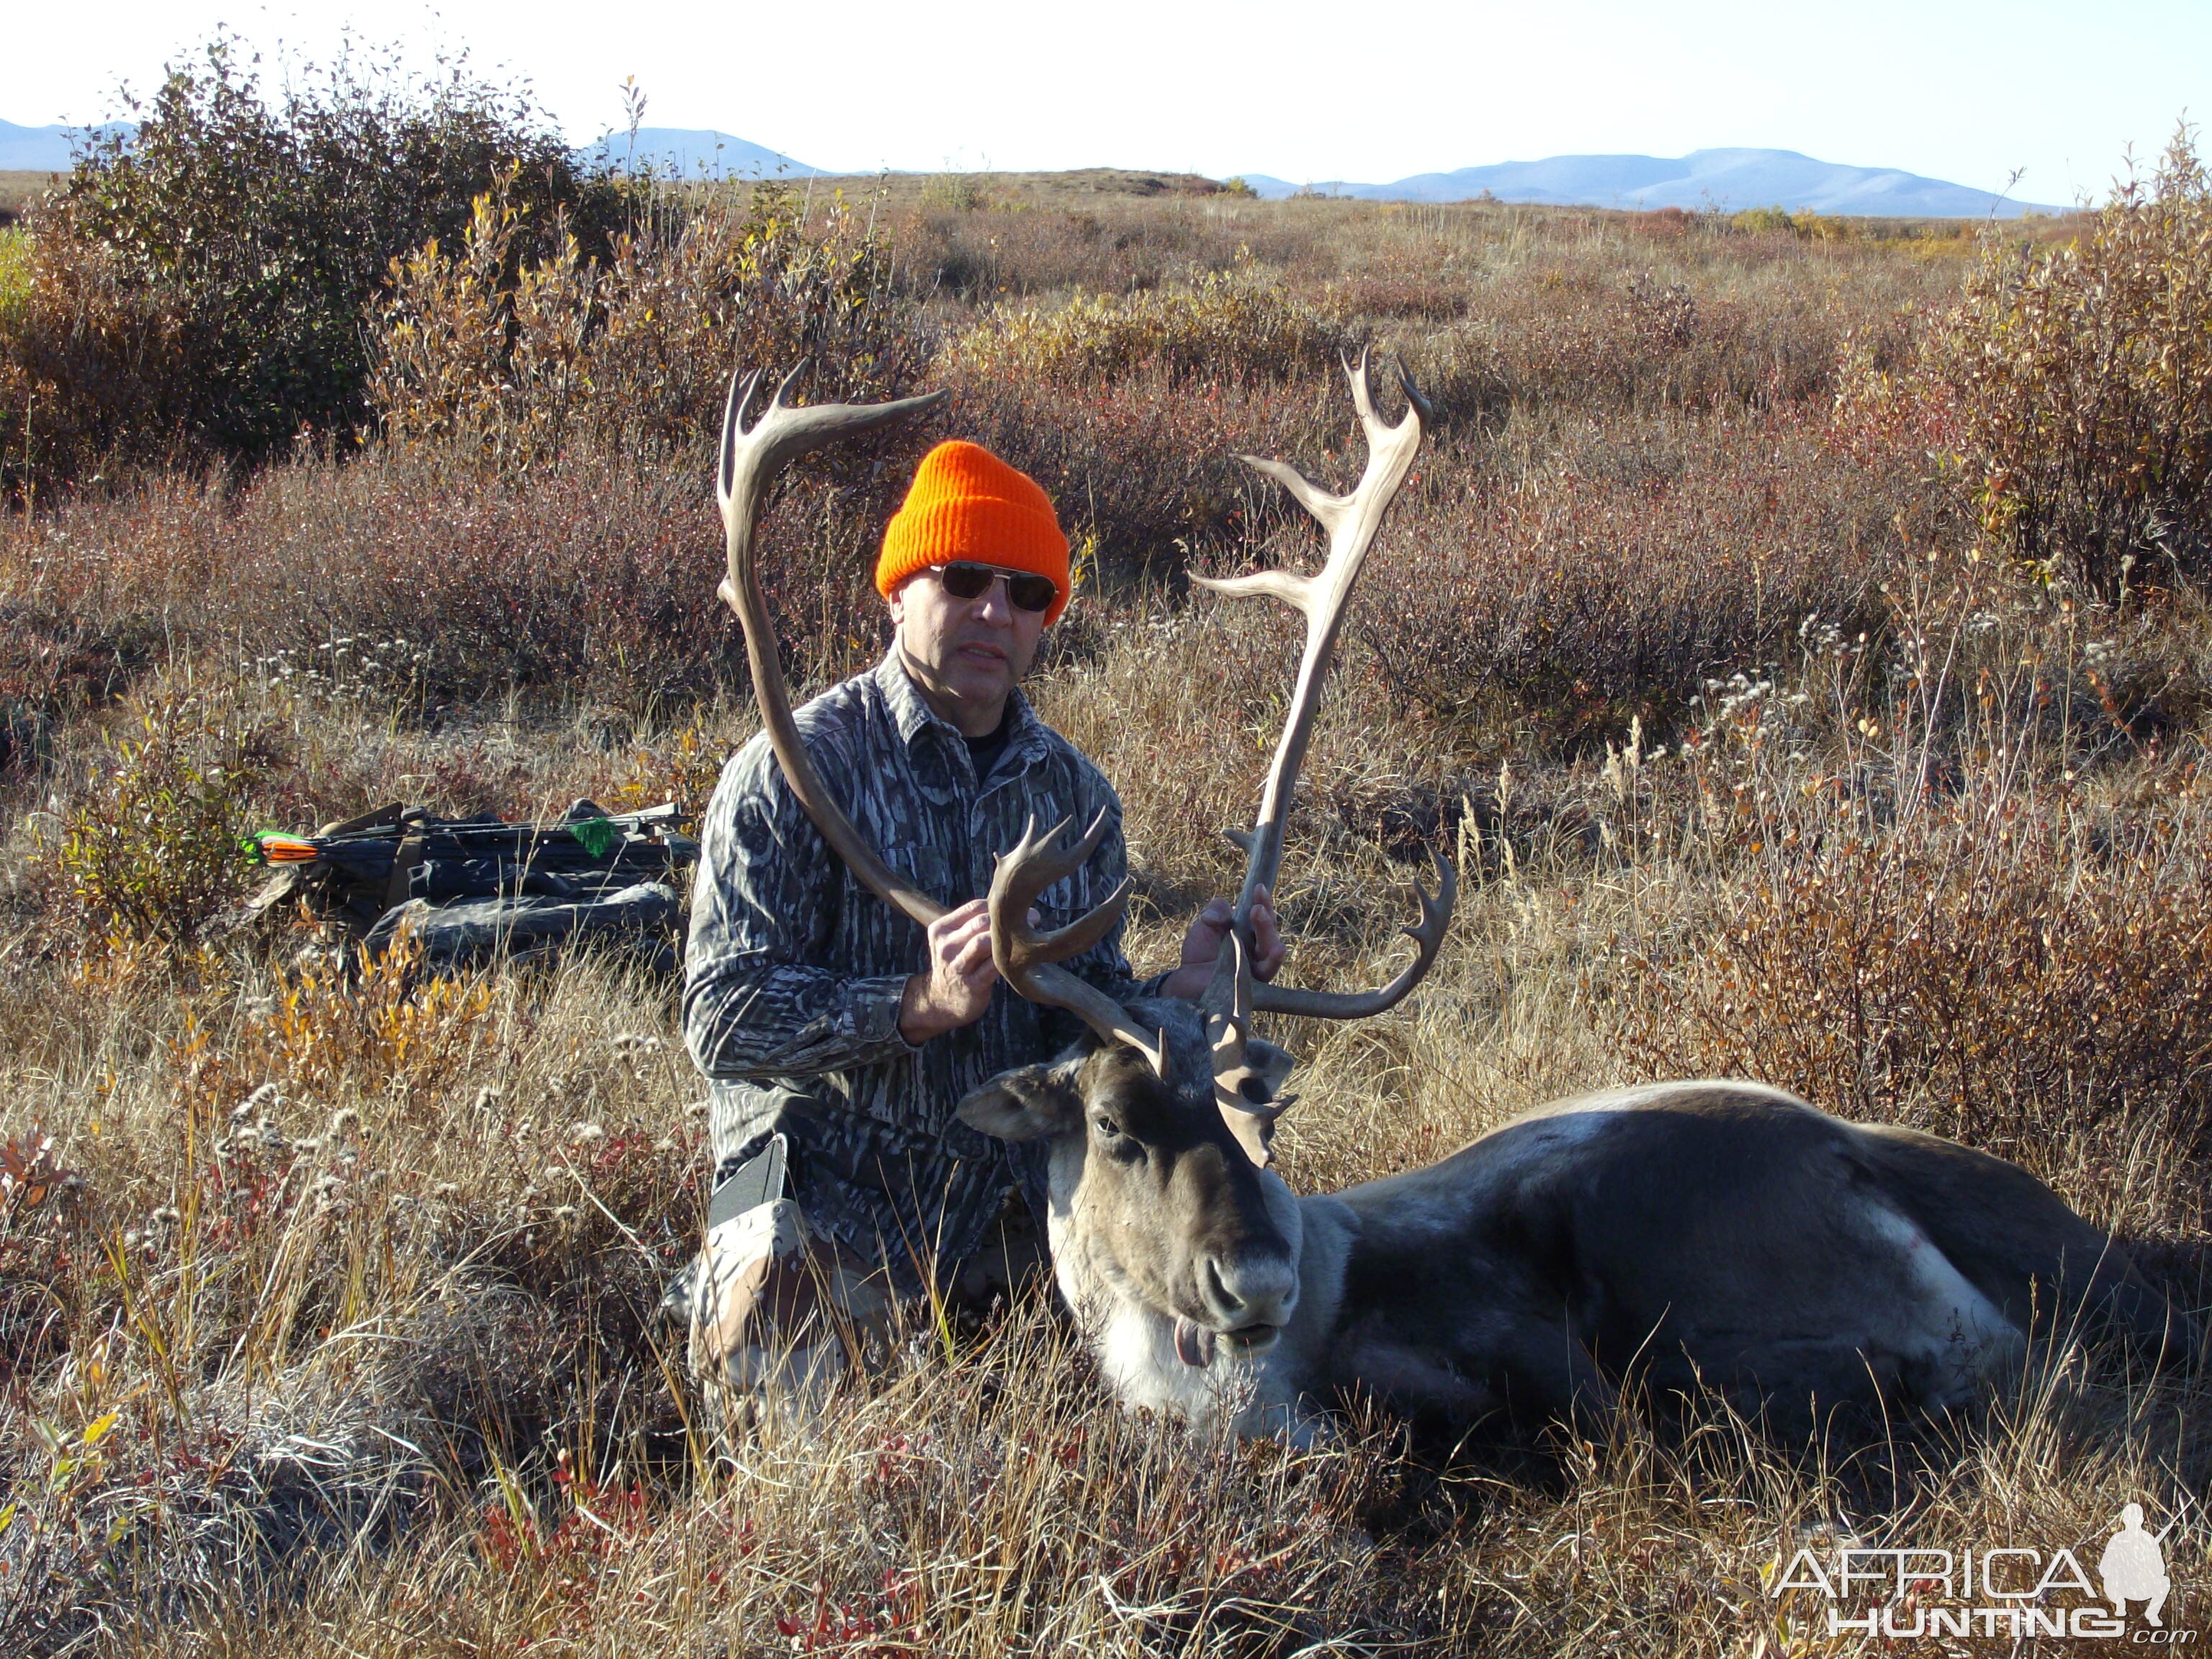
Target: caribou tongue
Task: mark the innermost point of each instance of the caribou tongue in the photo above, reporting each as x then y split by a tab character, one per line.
1194	1343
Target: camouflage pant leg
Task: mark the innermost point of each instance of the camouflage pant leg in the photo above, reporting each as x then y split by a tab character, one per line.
1014	1252
776	1312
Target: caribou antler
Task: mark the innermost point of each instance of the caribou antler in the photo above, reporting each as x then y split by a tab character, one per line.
750	461
1025	956
1351	521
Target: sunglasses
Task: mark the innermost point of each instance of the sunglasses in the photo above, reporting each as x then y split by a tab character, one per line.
963	579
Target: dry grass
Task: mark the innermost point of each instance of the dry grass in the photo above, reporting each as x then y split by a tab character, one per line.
341	1337
20	187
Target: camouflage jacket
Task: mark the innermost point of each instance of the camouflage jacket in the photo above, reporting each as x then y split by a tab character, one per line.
794	971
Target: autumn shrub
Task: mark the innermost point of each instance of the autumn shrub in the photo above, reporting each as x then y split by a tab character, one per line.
594	578
1238	325
93	367
955	193
150	850
405	588
1111	244
1407	289
15	273
381	1018
2005	972
485	355
257	229
1575	341
1763	221
2071	387
1615	581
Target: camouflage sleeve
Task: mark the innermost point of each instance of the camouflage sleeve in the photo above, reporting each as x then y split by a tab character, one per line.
761	910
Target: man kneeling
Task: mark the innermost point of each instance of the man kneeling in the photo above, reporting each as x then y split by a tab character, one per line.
836	1034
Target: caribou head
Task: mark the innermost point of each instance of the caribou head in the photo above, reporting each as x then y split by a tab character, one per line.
1156	1203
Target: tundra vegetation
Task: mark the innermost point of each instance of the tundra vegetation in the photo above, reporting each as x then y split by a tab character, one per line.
1796	635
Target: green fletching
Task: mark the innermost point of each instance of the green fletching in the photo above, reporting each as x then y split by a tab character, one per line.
595	836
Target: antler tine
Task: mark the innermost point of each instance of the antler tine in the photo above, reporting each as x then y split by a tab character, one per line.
1028	961
1040	867
1428	933
1363	388
1228	993
1240	1093
1030	869
748	464
789	381
1413	395
1309	494
742	388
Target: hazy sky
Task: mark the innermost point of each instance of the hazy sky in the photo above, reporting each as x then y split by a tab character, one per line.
1966	90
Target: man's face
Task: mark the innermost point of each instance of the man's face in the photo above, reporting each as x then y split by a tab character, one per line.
966	654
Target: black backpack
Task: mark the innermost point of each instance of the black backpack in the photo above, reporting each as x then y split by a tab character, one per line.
471	890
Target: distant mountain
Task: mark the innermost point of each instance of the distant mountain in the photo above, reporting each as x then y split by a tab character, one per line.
42	149
1729	178
693	153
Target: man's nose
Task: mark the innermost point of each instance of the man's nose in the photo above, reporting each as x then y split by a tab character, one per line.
995	607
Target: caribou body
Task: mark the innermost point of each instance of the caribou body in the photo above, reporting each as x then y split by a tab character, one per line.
1682	1236
1677	1235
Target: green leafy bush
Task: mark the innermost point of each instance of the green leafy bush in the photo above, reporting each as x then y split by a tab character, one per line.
151	850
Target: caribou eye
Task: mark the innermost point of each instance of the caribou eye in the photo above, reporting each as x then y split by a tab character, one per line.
1115	1142
1255	1089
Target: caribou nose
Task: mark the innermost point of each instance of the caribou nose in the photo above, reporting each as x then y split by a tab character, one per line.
1248	1289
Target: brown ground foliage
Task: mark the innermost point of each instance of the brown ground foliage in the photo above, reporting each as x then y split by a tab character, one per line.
1766	746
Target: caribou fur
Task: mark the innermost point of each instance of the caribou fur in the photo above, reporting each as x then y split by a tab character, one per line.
1676	1236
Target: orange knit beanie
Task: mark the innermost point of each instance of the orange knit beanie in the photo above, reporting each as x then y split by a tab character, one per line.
966	503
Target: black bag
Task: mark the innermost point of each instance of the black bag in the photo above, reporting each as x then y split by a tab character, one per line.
471	890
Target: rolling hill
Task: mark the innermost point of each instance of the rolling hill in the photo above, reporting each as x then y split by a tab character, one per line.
693	152
41	150
1726	178
1731	179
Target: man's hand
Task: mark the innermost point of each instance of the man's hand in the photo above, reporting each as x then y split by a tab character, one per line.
1209	929
955	988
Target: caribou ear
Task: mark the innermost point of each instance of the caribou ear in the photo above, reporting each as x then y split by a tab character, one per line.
1273	1064
1027	1104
